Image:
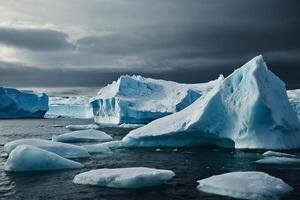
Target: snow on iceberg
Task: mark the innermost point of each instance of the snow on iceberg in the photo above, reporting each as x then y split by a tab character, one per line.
89	135
30	158
294	98
248	109
22	104
69	107
138	100
136	177
245	185
61	149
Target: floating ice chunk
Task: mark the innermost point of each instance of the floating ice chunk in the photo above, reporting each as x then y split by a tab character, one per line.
31	158
245	185
248	109
82	127
99	126
61	149
22	104
277	154
89	135
130	125
136	177
97	148
139	100
103	147
278	160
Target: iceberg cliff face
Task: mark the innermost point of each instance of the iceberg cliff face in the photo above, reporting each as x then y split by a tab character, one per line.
294	98
18	104
134	99
248	109
69	107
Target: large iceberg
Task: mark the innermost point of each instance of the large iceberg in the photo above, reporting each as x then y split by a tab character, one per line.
248	109
138	100
135	177
245	185
61	149
30	158
89	135
294	98
22	104
69	107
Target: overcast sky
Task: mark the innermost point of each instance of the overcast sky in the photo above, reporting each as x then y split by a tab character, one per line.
92	42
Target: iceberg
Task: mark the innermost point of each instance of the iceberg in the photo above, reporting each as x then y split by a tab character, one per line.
22	104
103	147
78	127
278	160
139	100
59	148
245	185
89	135
98	148
277	154
294	98
30	158
273	157
69	107
135	177
248	109
99	126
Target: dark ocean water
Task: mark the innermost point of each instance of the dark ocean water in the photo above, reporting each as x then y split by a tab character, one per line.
189	165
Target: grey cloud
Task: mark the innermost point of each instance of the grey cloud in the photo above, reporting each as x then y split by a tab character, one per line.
34	38
186	41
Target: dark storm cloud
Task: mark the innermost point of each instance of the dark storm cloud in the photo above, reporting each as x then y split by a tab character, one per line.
187	41
34	38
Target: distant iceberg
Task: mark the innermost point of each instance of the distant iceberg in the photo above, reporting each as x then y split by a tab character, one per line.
248	109
245	185
135	177
59	148
139	100
69	107
30	158
22	104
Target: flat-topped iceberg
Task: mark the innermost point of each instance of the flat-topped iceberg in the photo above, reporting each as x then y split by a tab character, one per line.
89	135
138	100
248	109
59	148
30	158
245	185
22	104
135	177
69	107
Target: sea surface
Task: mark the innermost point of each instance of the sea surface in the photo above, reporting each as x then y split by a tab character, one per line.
189	165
